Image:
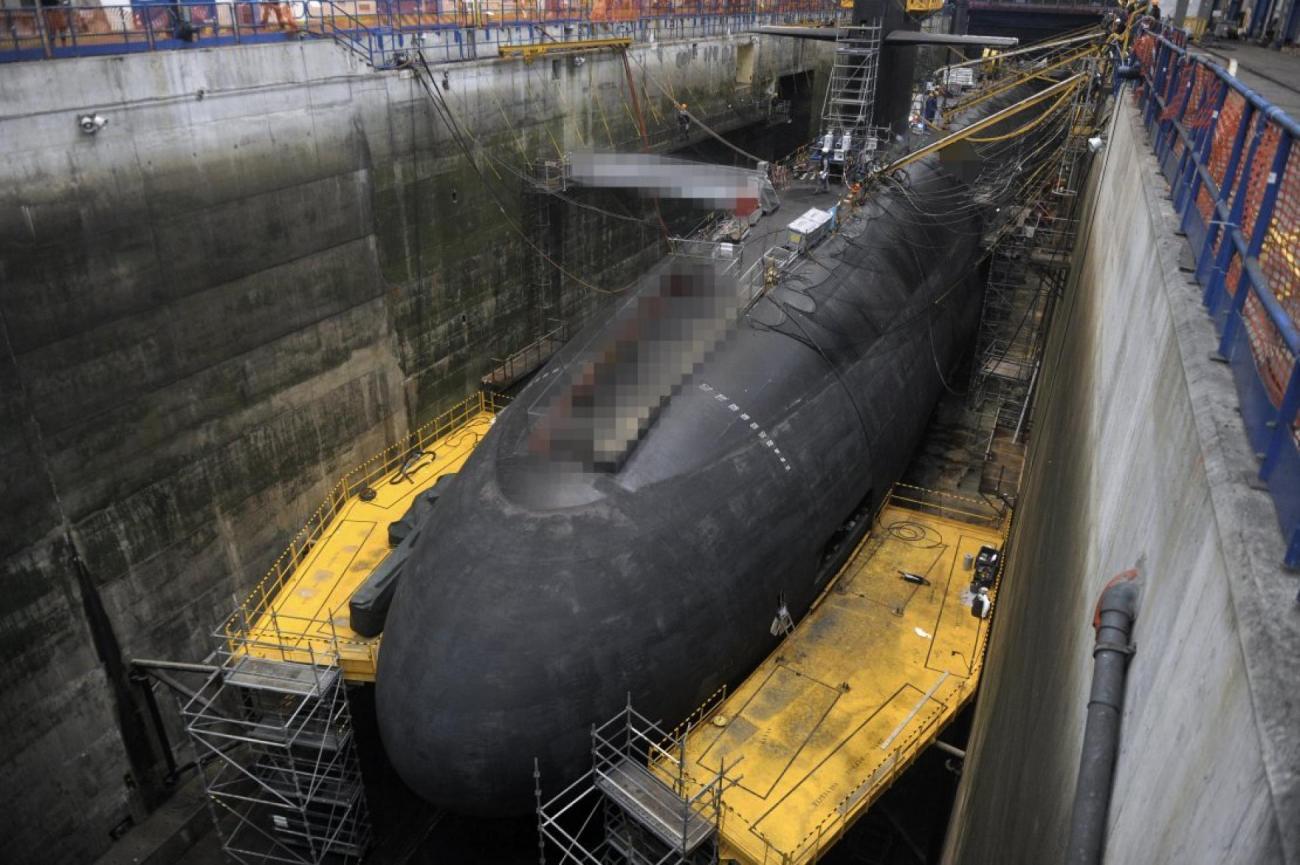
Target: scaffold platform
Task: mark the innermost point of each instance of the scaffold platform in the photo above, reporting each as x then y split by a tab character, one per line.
299	611
882	663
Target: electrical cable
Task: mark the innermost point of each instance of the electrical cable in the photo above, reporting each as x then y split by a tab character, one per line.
646	72
449	120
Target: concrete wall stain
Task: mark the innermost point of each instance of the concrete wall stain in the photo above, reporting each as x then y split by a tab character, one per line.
218	305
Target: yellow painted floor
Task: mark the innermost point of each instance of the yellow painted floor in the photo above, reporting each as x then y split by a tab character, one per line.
311	607
864	684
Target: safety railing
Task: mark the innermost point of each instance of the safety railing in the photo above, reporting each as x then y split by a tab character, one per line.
34	33
507	371
1233	166
1029	6
982	512
253	622
383	32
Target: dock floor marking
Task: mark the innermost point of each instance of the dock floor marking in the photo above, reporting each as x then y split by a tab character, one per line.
860	687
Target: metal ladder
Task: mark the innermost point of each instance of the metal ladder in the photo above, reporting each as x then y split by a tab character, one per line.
851	94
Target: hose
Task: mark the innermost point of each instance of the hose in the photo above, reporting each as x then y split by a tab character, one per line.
1113	621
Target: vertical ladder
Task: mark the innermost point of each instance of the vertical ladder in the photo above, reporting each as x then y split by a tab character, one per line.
851	94
1072	170
547	177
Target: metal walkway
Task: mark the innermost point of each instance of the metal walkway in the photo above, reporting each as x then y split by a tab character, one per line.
299	611
863	685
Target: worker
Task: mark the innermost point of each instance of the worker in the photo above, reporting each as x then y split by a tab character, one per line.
824	177
283	14
683	121
179	23
58	21
1154	11
931	105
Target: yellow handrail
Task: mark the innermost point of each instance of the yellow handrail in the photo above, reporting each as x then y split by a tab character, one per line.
242	620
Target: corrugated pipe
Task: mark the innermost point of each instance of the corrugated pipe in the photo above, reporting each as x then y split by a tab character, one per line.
1113	621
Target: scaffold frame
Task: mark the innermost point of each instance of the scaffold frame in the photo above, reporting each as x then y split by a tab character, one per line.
644	820
277	758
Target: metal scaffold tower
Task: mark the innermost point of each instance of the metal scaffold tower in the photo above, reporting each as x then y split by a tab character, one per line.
851	94
279	764
1028	267
636	805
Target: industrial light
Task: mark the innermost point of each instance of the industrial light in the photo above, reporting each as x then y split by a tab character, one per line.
92	123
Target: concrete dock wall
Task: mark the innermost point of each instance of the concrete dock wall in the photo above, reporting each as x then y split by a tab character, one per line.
1138	460
271	263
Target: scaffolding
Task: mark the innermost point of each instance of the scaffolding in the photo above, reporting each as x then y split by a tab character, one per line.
1028	266
636	805
851	93
275	745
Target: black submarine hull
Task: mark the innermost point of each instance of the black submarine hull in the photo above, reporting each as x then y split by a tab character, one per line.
525	619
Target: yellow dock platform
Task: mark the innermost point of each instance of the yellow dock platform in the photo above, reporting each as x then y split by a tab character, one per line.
856	692
299	611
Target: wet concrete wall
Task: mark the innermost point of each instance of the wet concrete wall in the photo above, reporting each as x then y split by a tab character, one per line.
268	265
1138	460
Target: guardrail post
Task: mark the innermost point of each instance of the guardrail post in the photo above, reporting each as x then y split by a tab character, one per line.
1257	234
1159	64
1218	276
1167	129
1188	177
1238	143
1284	422
1286	413
43	31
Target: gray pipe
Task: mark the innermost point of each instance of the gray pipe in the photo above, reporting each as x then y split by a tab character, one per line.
1116	611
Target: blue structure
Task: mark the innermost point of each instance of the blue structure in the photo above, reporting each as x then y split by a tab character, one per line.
1186	107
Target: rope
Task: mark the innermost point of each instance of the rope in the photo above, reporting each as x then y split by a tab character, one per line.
444	111
693	118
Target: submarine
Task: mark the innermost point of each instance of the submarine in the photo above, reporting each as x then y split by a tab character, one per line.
674	489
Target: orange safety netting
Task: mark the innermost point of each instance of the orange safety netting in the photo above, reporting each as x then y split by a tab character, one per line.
1278	262
1253	198
1205	95
1279	259
1225	132
1180	94
1145	49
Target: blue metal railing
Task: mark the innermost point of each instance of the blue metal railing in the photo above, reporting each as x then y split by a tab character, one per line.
1234	171
379	30
48	32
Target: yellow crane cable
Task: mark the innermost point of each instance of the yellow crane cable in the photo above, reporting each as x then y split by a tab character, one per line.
984	123
604	120
1017	79
454	127
510	127
1028	126
1092	33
